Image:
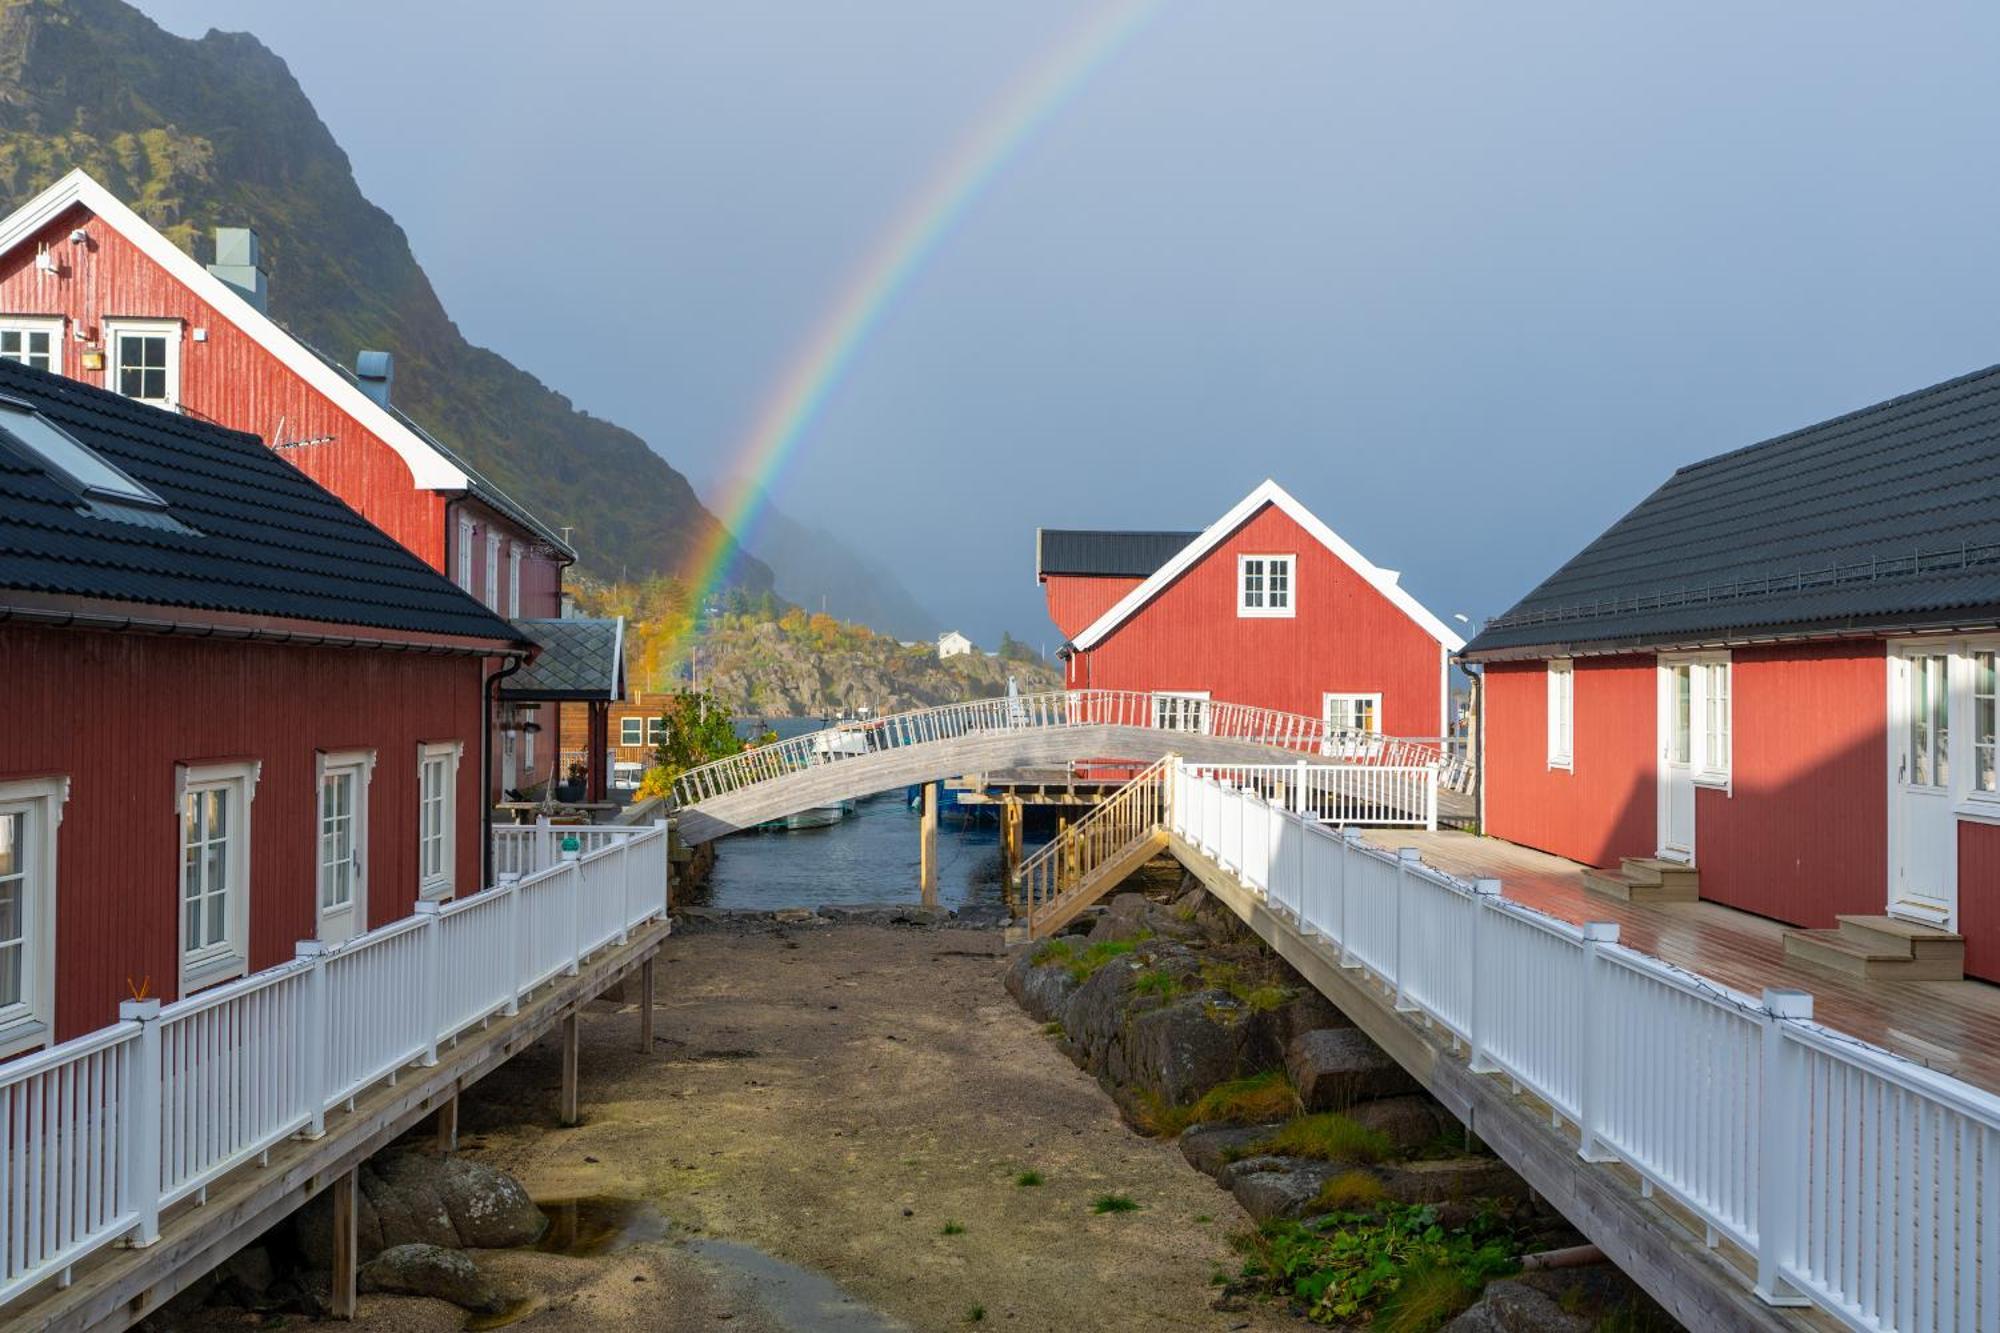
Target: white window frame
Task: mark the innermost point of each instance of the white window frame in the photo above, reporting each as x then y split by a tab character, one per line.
1561	674
439	884
363	762
1266	611
465	555
513	580
627	725
1713	769
528	713
31	1022
656	729
1968	801
26	324
229	957
170	329
1181	698
1372	700
492	597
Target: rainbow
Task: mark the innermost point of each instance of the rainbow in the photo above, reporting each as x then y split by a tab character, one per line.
1029	103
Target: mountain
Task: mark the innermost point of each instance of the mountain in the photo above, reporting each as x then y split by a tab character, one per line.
814	569
199	133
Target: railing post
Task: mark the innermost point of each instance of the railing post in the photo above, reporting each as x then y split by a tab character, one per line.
1590	1041
511	886
1406	857
1349	844
1299	788
139	1119
666	859
1431	798
575	915
314	1024
1782	1113
545	846
1485	892
624	890
433	980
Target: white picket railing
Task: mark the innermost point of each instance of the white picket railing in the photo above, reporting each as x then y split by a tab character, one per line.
1053	709
1854	1179
1378	795
99	1134
523	849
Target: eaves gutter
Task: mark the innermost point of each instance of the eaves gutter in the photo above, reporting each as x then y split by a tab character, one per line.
189	622
1956	621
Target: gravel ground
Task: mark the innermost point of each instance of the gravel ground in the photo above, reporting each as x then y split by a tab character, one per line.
834	1096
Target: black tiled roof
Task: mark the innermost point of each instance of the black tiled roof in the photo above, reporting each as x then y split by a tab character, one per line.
579	659
1883	519
250	534
1121	554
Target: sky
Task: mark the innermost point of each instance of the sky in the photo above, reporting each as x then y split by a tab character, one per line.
1467	279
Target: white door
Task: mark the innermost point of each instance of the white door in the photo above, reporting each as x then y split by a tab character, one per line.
1922	876
1676	794
343	889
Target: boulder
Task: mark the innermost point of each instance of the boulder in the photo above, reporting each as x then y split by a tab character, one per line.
1094	1017
1181	1050
1407	1122
1043	991
1512	1306
404	1187
1454	1179
432	1270
886	914
413	1198
1270	1187
1336	1068
489	1208
1210	1148
1308	1011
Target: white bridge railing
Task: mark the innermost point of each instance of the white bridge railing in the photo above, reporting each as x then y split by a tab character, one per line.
1340	793
1852	1178
1059	708
101	1133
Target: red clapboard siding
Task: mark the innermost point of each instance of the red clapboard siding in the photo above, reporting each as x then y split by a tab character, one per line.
1605	807
1802	835
1346	638
1075	602
116	712
1979	898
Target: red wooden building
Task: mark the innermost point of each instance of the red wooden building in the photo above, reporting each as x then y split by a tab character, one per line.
1267	606
239	715
1779	670
90	290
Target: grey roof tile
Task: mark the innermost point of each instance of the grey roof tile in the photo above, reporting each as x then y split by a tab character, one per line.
1117	554
579	659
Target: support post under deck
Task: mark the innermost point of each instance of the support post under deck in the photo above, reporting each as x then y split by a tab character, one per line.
927	867
447	1125
646	1007
566	1111
346	1296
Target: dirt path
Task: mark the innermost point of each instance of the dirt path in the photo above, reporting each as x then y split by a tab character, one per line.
835	1096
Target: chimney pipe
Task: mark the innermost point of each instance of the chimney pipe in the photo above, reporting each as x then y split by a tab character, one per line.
375	372
236	262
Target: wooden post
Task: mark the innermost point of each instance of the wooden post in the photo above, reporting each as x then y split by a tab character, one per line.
646	1007
346	1245
1010	846
927	846
447	1124
566	1112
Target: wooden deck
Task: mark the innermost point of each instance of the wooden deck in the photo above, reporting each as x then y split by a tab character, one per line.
1950	1026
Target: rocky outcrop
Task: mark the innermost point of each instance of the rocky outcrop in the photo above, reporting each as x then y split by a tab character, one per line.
1210	1148
409	1197
432	1270
1335	1068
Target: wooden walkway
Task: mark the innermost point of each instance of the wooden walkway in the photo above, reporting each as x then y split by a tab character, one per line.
1950	1026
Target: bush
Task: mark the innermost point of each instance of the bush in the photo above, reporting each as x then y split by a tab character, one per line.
1330	1137
1395	1269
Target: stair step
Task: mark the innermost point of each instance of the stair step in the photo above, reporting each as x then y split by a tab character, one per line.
1652	870
1911	939
1832	951
1627	888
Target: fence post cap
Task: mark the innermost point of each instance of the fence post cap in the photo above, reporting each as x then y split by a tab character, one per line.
138	1011
1408	854
1783	1002
429	907
310	948
1600	932
506	879
1488	887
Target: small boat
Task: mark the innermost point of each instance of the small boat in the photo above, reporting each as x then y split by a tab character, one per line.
818	816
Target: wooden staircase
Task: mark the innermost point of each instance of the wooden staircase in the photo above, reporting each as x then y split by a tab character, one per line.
1096	854
1880	948
1646	879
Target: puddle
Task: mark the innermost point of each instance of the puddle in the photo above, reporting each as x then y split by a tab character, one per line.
599	1224
795	1298
513	1314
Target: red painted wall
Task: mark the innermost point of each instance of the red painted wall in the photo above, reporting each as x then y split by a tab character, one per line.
116	712
1346	638
1979	898
1605	806
1803	833
1075	602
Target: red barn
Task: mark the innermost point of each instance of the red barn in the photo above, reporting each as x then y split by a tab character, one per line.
239	715
1778	671
1268	607
90	290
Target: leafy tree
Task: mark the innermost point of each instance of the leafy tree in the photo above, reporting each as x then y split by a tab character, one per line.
696	727
1013	650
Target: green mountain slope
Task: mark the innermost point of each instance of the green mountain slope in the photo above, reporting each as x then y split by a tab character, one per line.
200	133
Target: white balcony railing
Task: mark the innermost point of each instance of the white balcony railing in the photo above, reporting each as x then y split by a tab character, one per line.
1854	1179
97	1135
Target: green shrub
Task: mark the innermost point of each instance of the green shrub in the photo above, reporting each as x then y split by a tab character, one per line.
1395	1270
1114	1203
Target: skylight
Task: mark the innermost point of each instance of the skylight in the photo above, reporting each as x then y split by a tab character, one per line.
71	459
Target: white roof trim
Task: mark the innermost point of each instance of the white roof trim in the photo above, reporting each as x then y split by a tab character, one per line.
429	469
1383	581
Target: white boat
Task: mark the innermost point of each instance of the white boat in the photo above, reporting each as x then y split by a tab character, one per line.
818	816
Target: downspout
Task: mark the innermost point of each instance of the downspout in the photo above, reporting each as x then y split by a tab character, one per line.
492	696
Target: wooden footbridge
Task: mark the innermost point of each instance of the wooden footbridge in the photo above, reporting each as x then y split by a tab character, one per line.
854	759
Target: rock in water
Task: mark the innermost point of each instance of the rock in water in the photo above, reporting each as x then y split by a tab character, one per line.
1334	1068
432	1270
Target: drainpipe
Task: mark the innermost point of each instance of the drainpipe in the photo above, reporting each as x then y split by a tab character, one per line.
488	716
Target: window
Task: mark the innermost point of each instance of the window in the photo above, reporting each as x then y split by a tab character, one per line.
214	802
528	739
29	814
1264	585
89	472
492	598
513	580
631	731
437	823
1713	682
1562	713
1985	703
1181	711
1930	720
465	554
32	342
1354	712
656	730
343	841
144	360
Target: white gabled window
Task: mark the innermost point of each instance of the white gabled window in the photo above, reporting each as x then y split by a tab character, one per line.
631	731
142	360
465	554
1712	687
214	806
437	822
492	598
32	342
1184	710
513	580
1562	713
1266	585
30	812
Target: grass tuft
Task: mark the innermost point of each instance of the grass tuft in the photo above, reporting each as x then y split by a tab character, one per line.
1427	1297
1242	1101
1350	1192
1114	1203
1158	983
975	1313
1330	1137
1028	1178
951	1229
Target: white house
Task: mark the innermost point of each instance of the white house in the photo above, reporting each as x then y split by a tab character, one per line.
953	644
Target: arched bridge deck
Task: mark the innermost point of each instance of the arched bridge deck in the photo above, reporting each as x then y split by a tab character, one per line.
859	759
